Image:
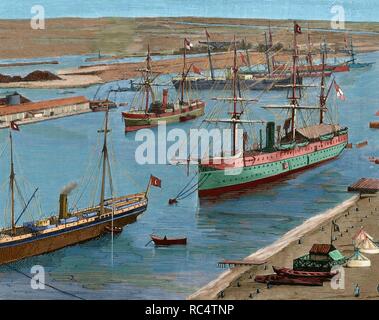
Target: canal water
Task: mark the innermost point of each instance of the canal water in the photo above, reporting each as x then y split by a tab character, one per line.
53	153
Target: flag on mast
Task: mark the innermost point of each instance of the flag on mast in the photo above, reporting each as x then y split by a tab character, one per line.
155	182
197	70
340	94
207	34
14	126
188	44
298	29
243	59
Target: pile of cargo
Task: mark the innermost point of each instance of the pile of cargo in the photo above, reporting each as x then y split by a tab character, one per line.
33	76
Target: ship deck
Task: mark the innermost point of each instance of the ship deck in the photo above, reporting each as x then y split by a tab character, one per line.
75	218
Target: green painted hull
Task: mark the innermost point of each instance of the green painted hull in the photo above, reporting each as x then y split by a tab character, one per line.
215	181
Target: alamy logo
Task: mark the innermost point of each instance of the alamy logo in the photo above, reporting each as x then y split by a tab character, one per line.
338	281
338	20
38	277
38	20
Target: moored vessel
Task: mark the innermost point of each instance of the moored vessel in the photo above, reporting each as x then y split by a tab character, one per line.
68	227
295	149
257	81
150	112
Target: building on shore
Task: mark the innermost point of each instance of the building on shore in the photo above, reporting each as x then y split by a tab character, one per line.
18	108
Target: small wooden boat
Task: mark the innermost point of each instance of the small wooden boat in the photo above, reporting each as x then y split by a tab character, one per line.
374	125
374	160
361	144
283	280
159	241
187	118
303	274
115	230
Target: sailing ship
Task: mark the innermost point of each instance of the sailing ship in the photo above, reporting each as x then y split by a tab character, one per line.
296	149
225	82
68	228
310	69
149	114
352	63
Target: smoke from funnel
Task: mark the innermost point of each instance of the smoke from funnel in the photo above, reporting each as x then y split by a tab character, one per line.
68	188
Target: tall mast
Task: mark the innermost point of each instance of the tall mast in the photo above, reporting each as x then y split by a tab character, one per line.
181	102
147	78
271	43
209	56
310	59
322	93
352	49
235	114
267	55
247	54
105	161
294	98
11	183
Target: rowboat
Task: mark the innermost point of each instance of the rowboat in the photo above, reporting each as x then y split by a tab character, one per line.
283	280
115	229
303	274
159	241
186	118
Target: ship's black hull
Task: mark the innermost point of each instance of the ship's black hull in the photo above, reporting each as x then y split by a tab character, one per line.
47	243
221	84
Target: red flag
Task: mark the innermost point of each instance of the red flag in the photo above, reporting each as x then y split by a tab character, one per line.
155	182
14	126
340	94
207	34
196	69
187	44
243	59
297	29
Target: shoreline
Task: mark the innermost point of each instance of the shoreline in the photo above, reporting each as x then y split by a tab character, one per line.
112	38
123	36
269	255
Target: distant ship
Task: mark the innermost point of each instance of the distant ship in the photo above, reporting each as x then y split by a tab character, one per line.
310	69
257	81
147	113
352	63
296	149
68	227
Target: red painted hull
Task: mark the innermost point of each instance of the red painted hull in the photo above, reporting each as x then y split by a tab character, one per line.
318	68
136	128
282	280
303	274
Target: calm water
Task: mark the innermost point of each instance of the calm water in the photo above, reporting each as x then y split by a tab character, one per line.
357	10
50	154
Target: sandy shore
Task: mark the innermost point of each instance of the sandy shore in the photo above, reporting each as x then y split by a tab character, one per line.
238	283
130	36
121	37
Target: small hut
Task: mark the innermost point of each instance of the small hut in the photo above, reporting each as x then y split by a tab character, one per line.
321	258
